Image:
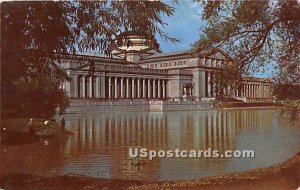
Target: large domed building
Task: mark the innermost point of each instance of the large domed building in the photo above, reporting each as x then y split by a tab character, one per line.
138	70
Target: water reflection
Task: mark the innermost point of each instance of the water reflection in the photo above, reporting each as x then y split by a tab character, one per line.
201	130
99	146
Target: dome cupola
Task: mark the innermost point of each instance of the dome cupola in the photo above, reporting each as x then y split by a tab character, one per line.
134	47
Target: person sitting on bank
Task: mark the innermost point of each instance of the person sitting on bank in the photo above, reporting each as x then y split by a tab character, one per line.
46	123
31	127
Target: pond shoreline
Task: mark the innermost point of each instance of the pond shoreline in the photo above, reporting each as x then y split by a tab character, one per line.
16	131
285	175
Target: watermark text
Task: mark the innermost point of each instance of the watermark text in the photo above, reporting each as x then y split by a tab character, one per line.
178	153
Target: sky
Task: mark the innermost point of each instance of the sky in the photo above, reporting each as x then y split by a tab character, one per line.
184	25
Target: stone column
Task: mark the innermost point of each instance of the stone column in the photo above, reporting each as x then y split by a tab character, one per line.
116	87
109	87
91	86
67	86
212	90
144	88
102	86
208	62
158	88
79	86
97	87
153	88
138	88
164	89
87	87
149	88
74	87
83	87
256	91
201	85
127	87
249	91
208	84
122	90
132	88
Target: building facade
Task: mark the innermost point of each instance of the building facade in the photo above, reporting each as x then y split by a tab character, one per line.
137	69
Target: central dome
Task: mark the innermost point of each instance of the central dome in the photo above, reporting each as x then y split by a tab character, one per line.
133	46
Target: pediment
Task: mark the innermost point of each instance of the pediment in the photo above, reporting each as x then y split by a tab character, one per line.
218	54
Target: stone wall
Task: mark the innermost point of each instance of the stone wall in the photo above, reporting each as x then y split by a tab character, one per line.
79	106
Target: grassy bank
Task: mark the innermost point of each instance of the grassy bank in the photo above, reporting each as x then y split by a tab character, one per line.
16	131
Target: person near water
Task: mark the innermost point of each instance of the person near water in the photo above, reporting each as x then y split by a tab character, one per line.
62	123
31	127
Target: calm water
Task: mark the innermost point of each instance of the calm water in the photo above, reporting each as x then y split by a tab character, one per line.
99	145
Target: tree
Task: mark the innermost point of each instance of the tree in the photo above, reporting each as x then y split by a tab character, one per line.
254	33
33	34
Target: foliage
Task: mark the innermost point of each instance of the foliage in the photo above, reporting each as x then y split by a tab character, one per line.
252	32
290	107
34	33
255	34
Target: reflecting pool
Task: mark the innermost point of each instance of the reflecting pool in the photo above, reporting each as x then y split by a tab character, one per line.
100	143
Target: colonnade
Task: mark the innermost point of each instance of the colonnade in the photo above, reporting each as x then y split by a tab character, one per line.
210	84
134	87
250	90
255	91
101	86
98	86
88	86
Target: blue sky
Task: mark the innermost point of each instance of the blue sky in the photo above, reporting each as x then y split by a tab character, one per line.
185	25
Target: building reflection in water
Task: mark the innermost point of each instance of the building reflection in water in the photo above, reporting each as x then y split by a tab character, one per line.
99	145
104	139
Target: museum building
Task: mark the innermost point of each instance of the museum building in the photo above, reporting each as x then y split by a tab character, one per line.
137	69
